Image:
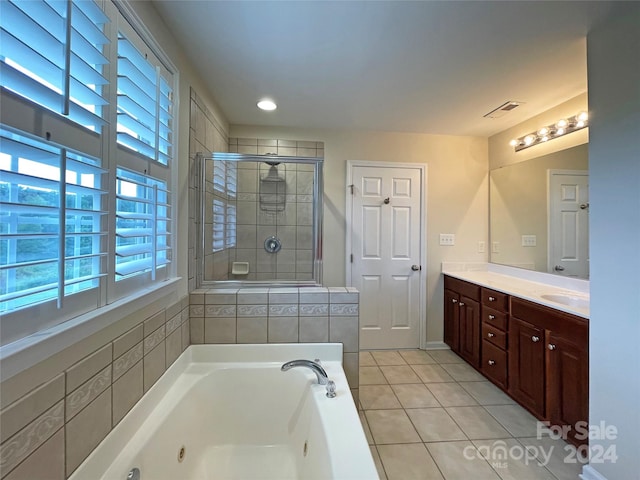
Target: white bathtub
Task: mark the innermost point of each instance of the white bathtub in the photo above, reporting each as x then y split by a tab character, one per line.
237	416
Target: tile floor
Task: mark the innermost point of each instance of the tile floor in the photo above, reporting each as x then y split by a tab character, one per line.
430	415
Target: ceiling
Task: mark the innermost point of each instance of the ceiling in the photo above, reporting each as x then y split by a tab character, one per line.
421	66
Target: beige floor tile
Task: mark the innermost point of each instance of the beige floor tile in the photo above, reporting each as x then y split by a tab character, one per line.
376	460
388	357
486	393
416	357
432	373
517	464
374	397
516	420
451	395
462	372
445	356
555	455
399	374
371	376
455	465
366	360
415	395
408	462
365	427
391	426
435	425
476	423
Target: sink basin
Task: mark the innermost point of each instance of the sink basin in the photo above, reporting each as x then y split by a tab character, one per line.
567	299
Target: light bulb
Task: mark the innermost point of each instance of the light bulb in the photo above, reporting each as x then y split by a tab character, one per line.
514	143
267	105
544	139
543	131
560	131
529	139
583	116
561	123
580	124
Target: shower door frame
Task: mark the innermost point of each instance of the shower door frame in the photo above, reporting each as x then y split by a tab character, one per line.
317	224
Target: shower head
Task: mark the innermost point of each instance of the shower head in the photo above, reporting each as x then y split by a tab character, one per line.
273	164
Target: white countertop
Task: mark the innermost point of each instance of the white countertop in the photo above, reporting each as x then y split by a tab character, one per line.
522	288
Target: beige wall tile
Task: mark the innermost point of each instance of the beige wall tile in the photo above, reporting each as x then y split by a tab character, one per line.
46	463
351	370
283	329
154	365
220	330
87	429
19	414
173	345
344	330
314	329
252	330
123	363
127	390
196	330
287	143
124	342
88	367
154	322
87	392
154	339
186	334
27	440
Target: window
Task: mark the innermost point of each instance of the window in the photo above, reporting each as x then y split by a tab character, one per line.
225	181
70	241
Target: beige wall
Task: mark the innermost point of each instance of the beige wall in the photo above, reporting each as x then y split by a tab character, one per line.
501	153
456	195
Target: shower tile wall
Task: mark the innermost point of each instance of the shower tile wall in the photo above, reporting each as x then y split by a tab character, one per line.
205	135
286	213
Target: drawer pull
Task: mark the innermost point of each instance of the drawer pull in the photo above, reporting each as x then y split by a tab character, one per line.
552	347
491	334
492	299
492	317
453	300
535	339
462	304
491	362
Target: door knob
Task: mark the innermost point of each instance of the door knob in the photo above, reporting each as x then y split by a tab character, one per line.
558	268
386	201
415	268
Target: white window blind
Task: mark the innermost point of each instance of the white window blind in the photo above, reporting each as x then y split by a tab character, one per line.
51	52
142	225
51	239
145	104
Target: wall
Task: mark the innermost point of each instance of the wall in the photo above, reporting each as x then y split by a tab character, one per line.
614	158
501	153
456	196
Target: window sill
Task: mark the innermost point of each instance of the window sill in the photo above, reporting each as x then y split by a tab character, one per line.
22	354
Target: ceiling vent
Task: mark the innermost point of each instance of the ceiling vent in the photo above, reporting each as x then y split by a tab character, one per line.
503	109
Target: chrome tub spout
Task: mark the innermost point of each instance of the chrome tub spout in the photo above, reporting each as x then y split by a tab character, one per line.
323	379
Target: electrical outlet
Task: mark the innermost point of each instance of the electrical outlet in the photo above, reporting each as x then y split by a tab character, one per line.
481	246
447	239
495	247
529	240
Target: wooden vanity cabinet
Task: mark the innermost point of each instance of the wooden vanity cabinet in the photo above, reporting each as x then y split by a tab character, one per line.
462	319
549	364
494	327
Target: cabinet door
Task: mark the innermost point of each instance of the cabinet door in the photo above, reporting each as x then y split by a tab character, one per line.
470	330
567	385
526	365
452	320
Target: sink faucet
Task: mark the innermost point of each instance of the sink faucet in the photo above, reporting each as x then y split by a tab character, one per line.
323	379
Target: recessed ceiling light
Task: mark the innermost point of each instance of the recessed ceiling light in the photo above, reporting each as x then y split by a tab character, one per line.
267	105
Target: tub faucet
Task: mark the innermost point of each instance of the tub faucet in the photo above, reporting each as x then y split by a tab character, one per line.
323	379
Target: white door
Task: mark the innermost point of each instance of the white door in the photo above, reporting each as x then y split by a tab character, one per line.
569	222
386	251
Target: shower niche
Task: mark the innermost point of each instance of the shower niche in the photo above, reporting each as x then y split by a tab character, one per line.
260	220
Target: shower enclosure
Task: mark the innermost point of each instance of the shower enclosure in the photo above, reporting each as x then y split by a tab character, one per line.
260	220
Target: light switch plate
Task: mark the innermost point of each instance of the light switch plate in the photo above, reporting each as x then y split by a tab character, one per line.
529	240
481	246
495	247
447	239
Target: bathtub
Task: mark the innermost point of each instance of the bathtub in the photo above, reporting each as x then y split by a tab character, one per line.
228	412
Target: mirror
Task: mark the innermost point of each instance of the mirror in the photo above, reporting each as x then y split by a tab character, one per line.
539	213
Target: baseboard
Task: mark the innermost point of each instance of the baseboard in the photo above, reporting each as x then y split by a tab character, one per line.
436	346
589	473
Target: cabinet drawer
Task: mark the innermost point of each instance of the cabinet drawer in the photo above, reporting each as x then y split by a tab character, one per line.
493	335
496	300
467	289
494	363
495	318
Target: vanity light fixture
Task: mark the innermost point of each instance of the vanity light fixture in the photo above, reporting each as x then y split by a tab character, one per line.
267	105
549	132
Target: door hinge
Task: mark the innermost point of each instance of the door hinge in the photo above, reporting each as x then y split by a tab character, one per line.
351	187
352	258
